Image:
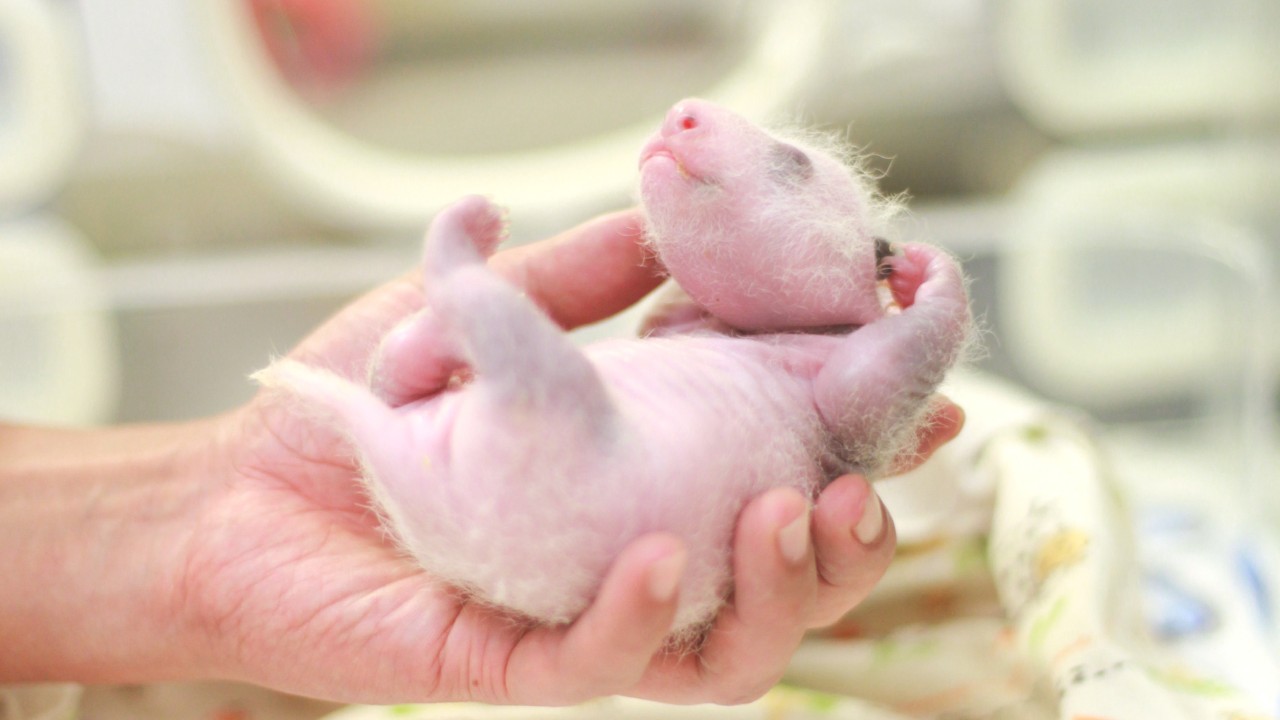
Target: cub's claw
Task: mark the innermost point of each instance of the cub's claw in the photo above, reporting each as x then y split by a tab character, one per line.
884	253
484	222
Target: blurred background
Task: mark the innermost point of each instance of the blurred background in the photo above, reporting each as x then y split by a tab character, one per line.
188	186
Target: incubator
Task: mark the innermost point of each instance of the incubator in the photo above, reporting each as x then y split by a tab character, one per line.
57	354
1109	184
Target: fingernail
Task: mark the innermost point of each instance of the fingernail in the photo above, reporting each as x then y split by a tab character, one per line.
871	524
793	539
665	575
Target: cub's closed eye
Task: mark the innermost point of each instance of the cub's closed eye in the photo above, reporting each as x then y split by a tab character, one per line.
792	162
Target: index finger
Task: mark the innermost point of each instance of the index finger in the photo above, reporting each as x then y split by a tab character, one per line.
585	274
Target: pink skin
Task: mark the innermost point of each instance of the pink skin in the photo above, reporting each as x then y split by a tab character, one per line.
762	241
320	46
534	463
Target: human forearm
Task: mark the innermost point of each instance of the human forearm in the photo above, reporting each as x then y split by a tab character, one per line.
93	527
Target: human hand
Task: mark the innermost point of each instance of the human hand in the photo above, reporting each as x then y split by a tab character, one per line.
296	586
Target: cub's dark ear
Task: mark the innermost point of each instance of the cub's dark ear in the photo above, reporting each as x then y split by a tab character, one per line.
791	162
884	251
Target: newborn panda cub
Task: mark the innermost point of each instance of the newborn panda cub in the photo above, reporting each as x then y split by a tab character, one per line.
804	350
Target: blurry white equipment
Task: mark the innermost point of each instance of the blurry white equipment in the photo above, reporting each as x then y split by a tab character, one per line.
1080	67
58	358
41	109
1128	279
57	342
1141	281
354	182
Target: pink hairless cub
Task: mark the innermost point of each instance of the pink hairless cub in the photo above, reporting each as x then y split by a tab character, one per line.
522	483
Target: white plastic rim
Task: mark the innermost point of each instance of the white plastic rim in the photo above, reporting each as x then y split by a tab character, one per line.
41	133
59	359
1177	200
1069	87
349	181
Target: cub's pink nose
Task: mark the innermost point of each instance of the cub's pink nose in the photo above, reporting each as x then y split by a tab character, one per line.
685	116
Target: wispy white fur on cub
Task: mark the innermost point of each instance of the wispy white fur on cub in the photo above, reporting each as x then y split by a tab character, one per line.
522	485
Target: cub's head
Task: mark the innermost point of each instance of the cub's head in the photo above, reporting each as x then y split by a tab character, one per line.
765	232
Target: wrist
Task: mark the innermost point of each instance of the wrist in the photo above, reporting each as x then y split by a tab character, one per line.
95	525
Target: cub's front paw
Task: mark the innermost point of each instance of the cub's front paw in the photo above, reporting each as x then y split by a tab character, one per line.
919	273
